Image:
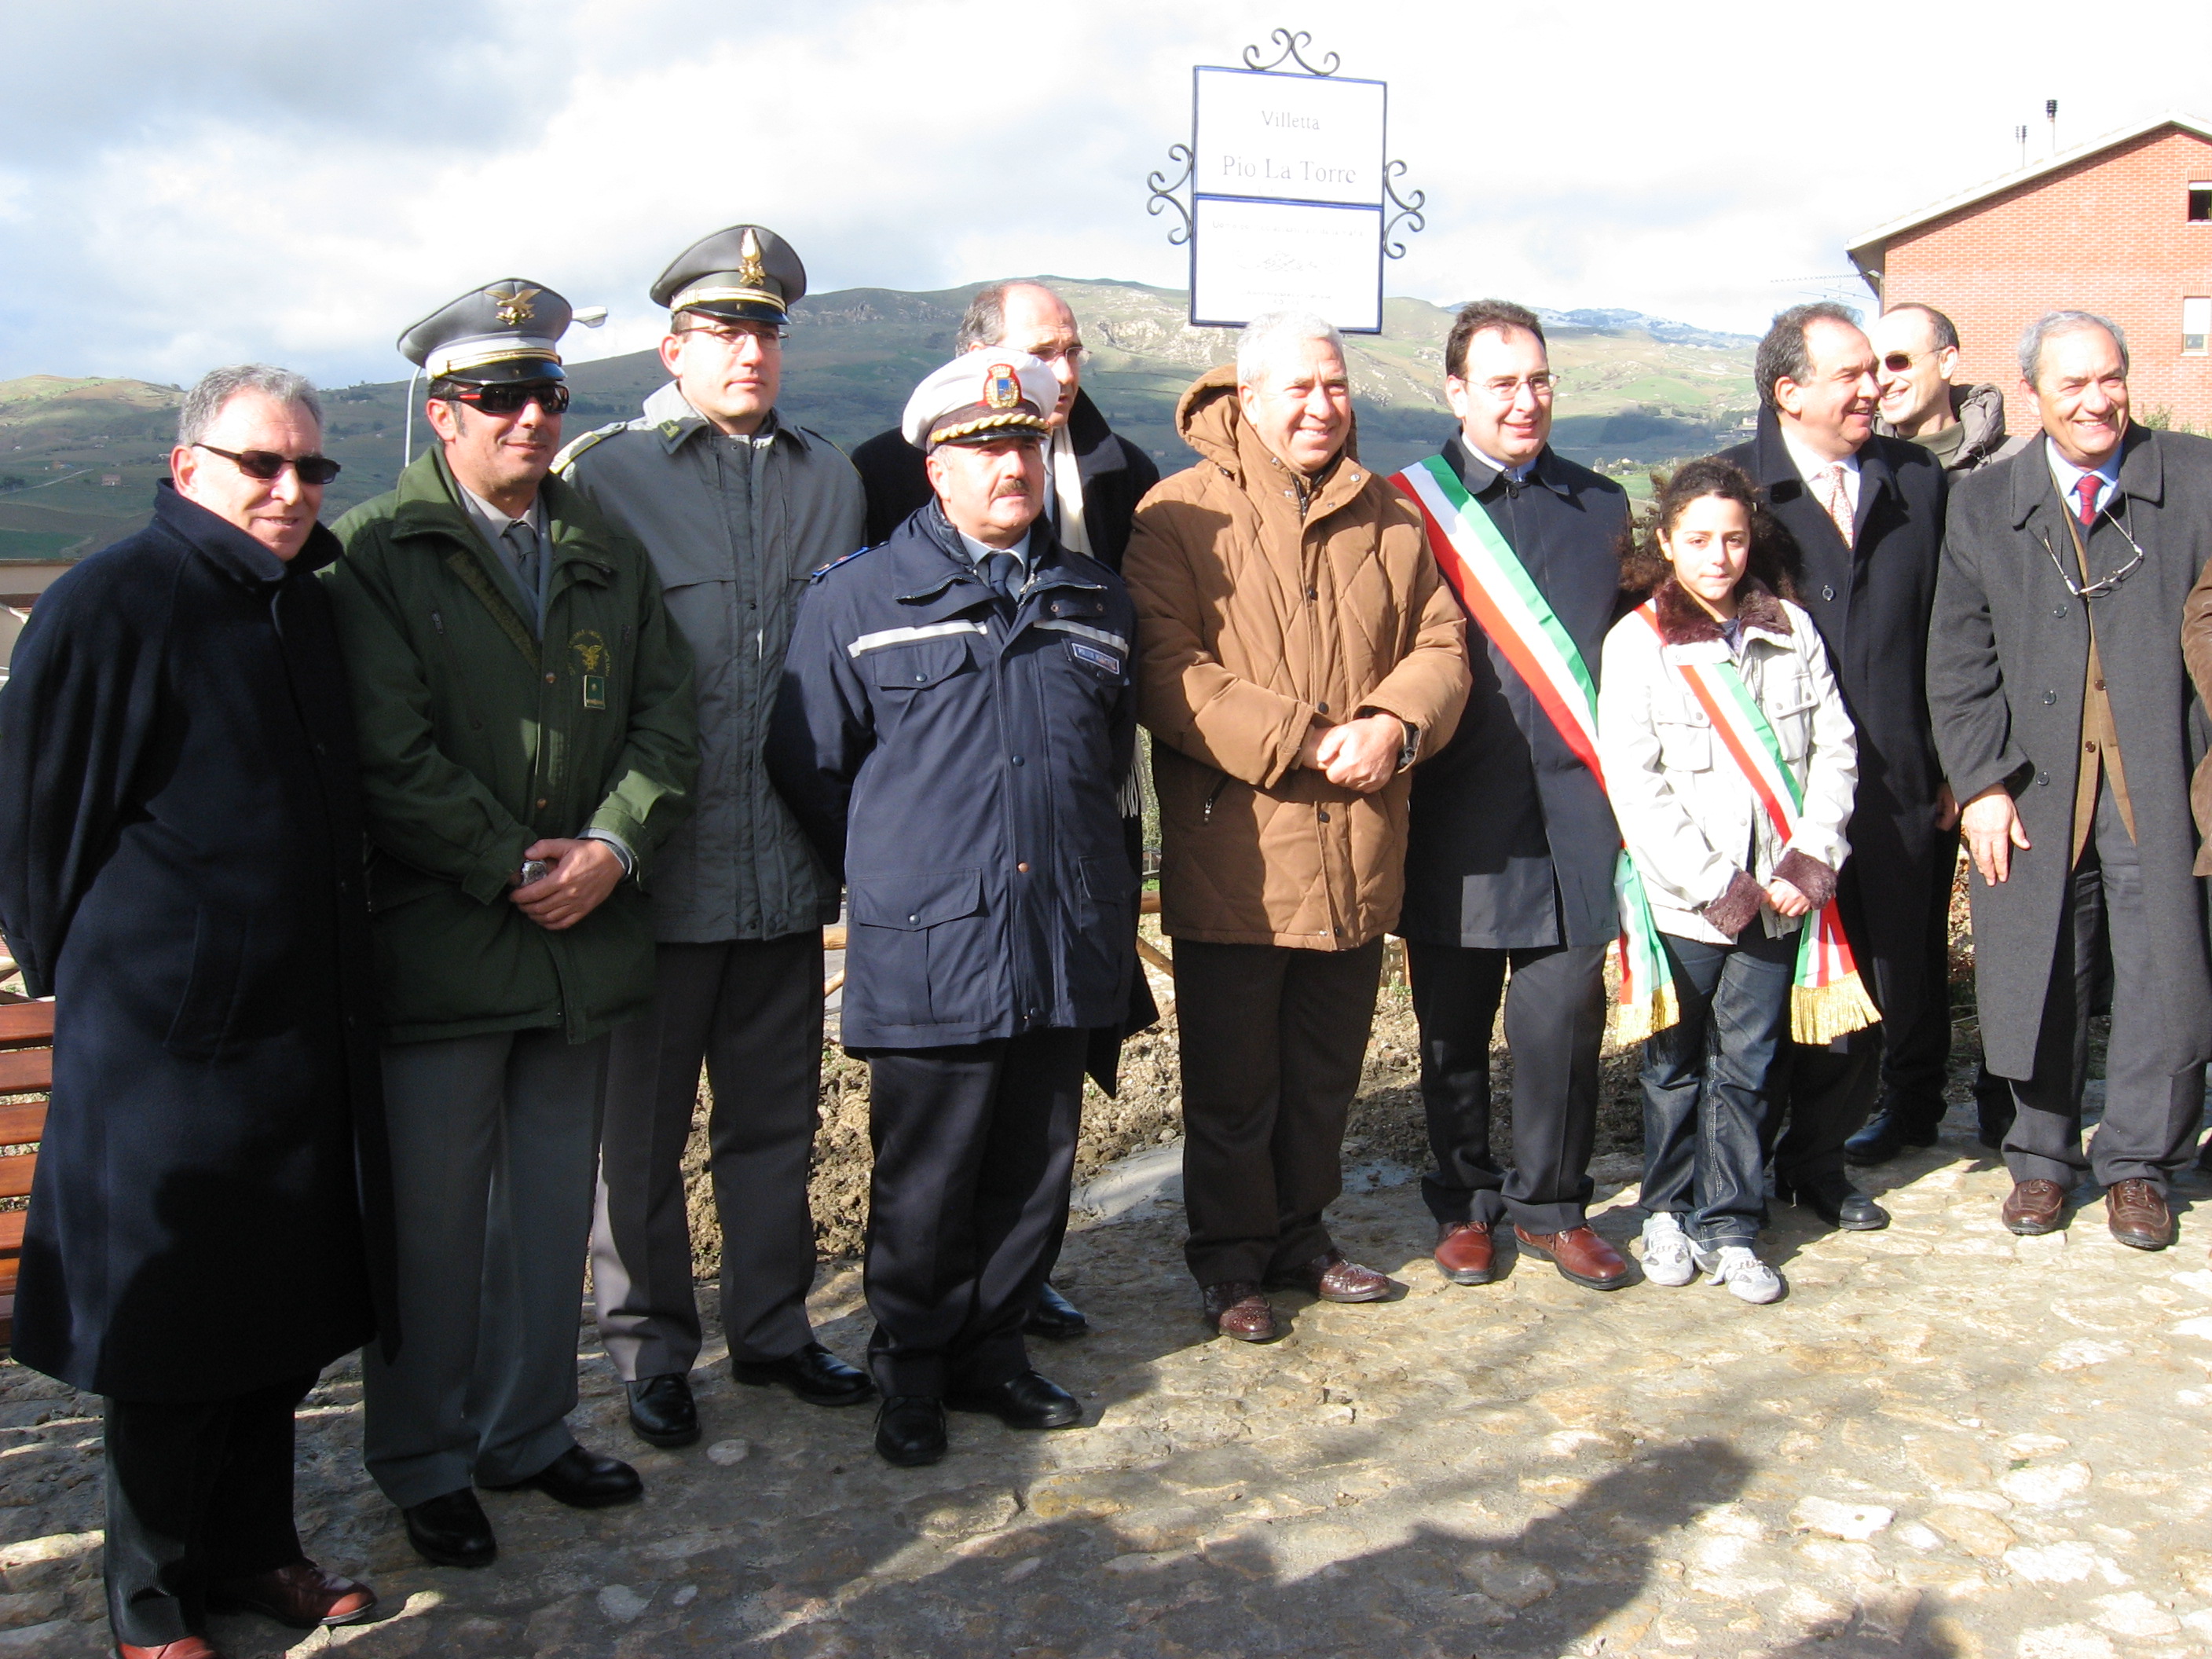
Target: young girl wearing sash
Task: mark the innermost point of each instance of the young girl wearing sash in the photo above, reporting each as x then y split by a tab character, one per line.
1730	764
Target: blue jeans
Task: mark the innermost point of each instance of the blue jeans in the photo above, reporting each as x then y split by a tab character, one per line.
1708	1096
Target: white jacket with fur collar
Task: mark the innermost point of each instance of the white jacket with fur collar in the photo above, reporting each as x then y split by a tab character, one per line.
1685	811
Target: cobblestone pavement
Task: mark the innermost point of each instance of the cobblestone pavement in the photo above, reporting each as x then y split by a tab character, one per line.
1945	1441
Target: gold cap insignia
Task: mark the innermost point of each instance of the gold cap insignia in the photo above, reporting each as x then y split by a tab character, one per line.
1002	387
514	304
750	272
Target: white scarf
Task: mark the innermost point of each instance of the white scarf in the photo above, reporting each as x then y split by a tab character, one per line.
1067	491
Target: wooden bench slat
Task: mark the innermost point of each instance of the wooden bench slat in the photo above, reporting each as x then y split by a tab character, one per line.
23	1124
11	1233
23	1023
22	1070
16	1174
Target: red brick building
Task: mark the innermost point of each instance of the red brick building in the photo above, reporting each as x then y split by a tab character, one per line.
2121	226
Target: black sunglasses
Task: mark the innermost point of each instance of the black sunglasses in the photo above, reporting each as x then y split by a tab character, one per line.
267	464
510	397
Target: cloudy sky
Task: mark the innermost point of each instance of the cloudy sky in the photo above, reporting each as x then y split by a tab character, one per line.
185	186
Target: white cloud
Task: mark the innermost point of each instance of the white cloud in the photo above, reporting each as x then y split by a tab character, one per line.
175	194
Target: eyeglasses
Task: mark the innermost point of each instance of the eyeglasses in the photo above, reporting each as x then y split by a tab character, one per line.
266	465
1506	391
510	398
2097	590
732	335
1073	353
1898	361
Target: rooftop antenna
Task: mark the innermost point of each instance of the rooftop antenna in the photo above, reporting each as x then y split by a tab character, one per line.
2050	114
2019	138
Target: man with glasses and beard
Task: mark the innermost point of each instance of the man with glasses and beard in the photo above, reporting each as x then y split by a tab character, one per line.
527	741
738	506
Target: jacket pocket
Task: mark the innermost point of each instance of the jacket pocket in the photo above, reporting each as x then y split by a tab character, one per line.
208	1007
914	962
1684	747
917	665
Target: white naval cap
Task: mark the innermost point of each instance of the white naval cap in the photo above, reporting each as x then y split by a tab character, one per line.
980	396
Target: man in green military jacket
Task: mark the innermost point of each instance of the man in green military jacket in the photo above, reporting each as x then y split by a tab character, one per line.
527	740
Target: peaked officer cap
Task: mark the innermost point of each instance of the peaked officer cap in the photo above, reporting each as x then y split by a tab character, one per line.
510	330
746	273
980	396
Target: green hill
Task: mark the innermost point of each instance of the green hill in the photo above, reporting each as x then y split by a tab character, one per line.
79	457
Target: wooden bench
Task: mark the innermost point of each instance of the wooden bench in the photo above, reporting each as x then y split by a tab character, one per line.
27	1066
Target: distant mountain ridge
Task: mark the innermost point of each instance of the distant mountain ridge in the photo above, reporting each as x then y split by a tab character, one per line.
1634	390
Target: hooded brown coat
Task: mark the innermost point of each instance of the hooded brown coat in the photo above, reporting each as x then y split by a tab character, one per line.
1254	621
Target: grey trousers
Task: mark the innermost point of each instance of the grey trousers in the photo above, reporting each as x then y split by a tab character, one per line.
493	1143
2149	1128
751	1010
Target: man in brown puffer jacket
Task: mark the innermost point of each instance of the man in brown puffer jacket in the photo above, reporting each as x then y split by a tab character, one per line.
1297	652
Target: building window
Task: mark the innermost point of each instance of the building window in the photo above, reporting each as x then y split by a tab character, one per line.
2200	202
2196	323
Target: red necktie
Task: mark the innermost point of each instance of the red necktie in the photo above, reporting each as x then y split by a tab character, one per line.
2085	487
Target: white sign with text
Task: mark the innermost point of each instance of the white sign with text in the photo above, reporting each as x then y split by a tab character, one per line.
1288	137
1251	257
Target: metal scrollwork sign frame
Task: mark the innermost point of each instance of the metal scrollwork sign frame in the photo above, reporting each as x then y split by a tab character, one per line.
1177	193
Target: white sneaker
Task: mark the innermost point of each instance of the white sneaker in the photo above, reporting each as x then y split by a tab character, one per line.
1667	1258
1747	1276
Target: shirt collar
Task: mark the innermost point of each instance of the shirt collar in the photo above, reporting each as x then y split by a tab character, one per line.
2067	476
1801	456
495	523
977	551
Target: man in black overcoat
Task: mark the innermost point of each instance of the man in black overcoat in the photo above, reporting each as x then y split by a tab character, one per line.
1093	482
2071	730
1512	846
180	848
1865	514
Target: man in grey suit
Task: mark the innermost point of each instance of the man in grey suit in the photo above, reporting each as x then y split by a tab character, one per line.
2068	728
736	507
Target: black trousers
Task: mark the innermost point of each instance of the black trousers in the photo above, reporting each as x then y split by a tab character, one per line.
974	1146
199	1492
1554	1028
1917	1046
2150	1120
751	1010
1272	1042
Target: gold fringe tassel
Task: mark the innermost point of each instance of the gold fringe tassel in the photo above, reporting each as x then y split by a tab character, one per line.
1635	1022
1820	1014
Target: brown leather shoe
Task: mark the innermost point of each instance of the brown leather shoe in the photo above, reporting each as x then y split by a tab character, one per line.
2034	1207
192	1647
301	1595
2136	1214
1237	1309
1464	1253
1333	1278
1580	1254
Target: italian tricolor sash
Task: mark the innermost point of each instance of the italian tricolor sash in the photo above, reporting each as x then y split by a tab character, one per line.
1828	999
1494	587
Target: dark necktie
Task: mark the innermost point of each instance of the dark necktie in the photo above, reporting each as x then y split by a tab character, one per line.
521	537
1001	574
2085	487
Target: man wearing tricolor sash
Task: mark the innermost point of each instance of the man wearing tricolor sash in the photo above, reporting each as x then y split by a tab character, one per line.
1511	865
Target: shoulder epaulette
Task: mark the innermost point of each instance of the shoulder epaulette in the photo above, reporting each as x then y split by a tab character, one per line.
818	573
576	446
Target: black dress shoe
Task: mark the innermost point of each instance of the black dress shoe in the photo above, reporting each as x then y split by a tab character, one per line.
1027	1401
661	1412
583	1481
814	1374
1887	1135
1836	1202
1054	1316
452	1531
910	1430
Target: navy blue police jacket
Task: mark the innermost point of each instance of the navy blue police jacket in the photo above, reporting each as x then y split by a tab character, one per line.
956	756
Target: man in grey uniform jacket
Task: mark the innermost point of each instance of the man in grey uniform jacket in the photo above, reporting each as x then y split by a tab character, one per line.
736	506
